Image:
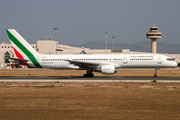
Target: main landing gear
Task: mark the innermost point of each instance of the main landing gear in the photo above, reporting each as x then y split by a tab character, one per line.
155	75
88	73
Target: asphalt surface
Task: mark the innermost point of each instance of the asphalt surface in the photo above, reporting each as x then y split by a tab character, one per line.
86	79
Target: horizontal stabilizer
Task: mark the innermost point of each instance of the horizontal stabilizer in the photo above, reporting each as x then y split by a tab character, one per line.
17	59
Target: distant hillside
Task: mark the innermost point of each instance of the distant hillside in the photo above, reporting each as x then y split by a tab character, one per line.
144	46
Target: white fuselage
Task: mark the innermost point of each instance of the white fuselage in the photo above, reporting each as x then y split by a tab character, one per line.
118	60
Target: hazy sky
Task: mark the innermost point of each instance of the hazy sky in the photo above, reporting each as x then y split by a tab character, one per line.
80	21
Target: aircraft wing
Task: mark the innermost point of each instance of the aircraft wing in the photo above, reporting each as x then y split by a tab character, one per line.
84	64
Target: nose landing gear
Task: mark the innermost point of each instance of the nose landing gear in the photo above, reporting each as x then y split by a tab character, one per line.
155	75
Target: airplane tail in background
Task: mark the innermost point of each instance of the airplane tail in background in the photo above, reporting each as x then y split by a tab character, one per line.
22	49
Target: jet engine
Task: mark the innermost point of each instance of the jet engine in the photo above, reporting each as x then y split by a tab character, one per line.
106	69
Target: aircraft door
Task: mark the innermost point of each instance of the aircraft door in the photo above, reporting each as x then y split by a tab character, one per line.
159	60
125	61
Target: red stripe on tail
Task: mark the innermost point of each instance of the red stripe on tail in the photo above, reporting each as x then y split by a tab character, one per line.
18	54
20	57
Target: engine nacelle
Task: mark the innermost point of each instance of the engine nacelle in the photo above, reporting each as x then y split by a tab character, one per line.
107	69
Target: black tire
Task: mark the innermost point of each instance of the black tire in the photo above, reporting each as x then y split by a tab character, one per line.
155	76
88	75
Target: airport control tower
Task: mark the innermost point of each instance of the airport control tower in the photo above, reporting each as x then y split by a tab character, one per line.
153	34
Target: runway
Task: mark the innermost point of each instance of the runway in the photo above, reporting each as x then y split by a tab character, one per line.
83	79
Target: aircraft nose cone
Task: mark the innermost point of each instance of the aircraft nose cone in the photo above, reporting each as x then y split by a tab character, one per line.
175	64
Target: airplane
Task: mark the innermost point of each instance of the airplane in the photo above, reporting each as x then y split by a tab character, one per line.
104	63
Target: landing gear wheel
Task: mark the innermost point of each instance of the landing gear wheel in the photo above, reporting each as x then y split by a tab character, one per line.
155	76
91	75
88	75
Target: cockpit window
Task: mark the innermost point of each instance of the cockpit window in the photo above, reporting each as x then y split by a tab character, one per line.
170	59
